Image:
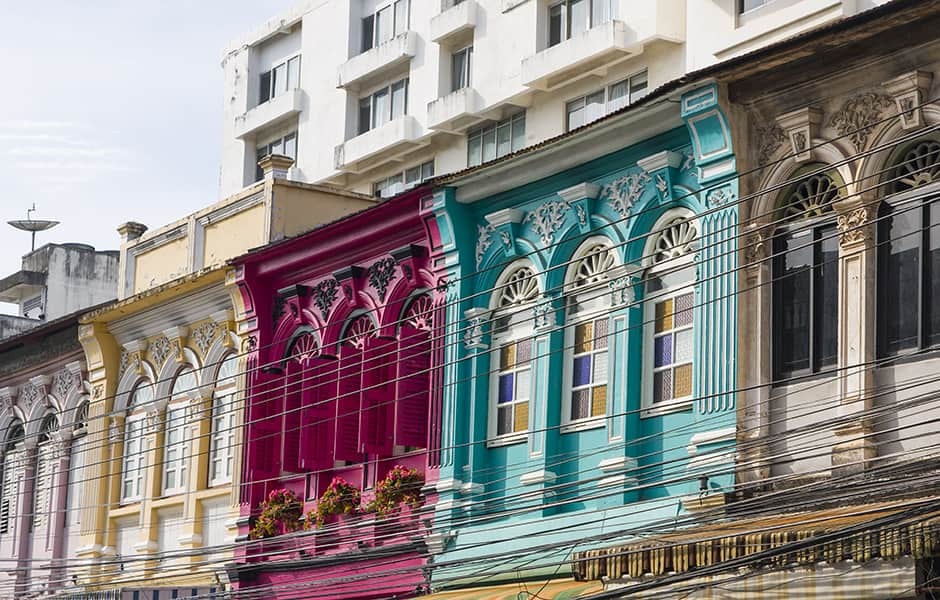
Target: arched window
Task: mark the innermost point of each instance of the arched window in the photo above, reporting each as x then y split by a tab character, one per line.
222	435
806	277
668	315
45	457
511	380
77	461
362	395
132	481
14	457
909	253
175	442
587	318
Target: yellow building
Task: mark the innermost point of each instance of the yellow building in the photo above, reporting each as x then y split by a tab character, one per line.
159	507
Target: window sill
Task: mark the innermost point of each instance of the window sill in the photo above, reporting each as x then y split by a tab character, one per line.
584	425
785	381
509	440
660	410
908	357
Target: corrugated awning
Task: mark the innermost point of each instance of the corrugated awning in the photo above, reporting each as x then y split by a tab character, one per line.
705	546
563	589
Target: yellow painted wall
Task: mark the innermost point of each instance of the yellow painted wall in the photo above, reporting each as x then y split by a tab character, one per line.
233	236
297	208
161	264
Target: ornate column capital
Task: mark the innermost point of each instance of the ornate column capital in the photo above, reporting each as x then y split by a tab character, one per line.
856	225
477	322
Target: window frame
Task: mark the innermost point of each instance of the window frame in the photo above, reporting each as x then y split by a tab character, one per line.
916	199
467	79
135	421
564	6
369	100
271	75
394	15
268	149
812	230
670	273
425	172
513	122
14	448
222	442
607	100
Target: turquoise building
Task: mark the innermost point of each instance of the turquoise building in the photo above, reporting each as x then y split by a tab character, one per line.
591	339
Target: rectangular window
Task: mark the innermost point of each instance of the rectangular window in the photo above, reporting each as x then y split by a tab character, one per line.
383	105
494	141
460	69
286	146
513	385
909	278
589	370
672	349
746	5
400	182
589	108
806	301
133	472
401	16
368	32
571	17
176	455
384	25
282	78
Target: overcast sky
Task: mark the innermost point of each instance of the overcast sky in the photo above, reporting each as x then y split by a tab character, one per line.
111	112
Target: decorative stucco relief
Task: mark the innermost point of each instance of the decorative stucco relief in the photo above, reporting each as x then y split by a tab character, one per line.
484	241
380	274
854	226
622	194
62	383
160	349
858	114
204	334
324	295
547	219
721	196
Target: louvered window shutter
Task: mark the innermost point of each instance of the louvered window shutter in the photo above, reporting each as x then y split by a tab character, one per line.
263	450
413	387
294	379
376	417
319	413
347	405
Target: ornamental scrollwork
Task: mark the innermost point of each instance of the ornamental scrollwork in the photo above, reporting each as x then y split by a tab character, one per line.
543	315
854	226
324	295
380	274
28	396
484	241
474	338
204	334
547	219
623	193
621	291
769	138
62	383
160	349
857	115
755	249
277	311
720	197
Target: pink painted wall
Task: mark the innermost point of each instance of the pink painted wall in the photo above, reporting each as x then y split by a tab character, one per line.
343	382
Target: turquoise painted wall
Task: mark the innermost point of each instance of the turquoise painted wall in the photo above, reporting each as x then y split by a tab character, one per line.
485	508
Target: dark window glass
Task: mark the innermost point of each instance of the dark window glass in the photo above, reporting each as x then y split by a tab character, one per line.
365	114
899	286
556	22
264	89
932	301
368	31
826	296
792	290
746	5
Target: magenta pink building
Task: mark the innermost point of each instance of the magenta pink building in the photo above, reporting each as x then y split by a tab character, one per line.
342	383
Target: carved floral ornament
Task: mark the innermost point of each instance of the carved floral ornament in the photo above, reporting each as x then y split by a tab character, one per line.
855	225
324	295
160	349
380	275
204	334
547	219
621	194
484	241
857	116
62	383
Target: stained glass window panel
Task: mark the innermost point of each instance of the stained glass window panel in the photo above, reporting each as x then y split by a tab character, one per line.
580	404
507	357
582	338
662	351
683	381
664	316
521	420
506	388
662	386
601	328
600	367
504	420
523	384
523	352
599	401
582	371
683	316
683	347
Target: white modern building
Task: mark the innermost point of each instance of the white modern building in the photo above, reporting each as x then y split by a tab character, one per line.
376	95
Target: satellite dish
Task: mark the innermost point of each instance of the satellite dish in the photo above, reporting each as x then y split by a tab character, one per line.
32	225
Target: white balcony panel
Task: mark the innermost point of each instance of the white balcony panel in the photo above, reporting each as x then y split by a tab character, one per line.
657	20
456	111
589	53
379	146
454	21
272	112
372	63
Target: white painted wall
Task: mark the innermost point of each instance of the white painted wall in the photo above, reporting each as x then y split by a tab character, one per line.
506	33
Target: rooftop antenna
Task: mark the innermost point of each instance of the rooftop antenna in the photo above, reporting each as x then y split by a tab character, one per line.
33	225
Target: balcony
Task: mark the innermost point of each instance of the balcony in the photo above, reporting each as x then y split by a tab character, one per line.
591	52
373	63
455	112
379	146
454	21
274	111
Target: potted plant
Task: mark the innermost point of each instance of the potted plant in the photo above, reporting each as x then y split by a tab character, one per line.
339	498
396	496
281	513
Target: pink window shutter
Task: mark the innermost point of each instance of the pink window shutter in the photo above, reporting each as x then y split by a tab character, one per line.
413	385
376	418
347	405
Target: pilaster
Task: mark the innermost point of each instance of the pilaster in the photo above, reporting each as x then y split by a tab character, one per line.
857	257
